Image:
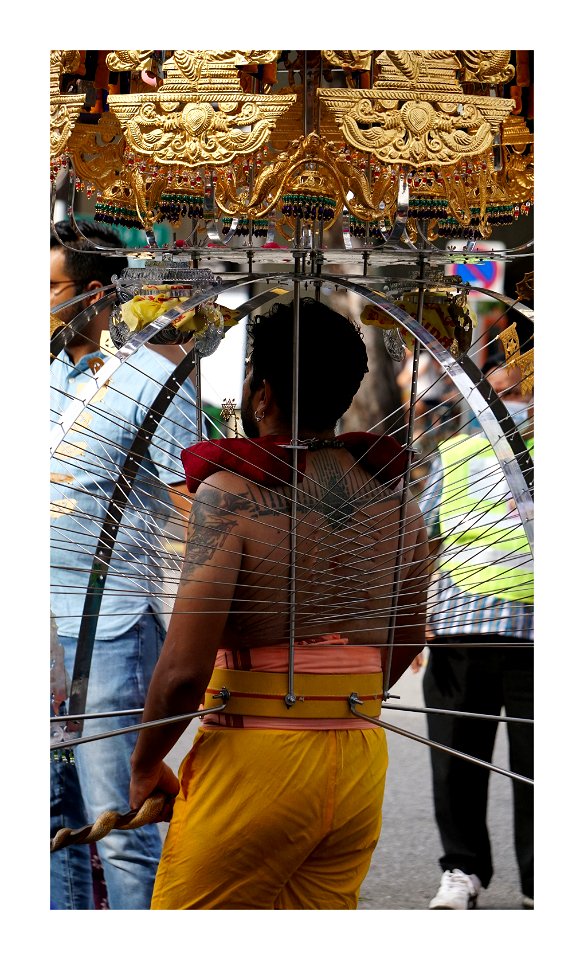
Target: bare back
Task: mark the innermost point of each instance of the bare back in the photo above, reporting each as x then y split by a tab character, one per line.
346	545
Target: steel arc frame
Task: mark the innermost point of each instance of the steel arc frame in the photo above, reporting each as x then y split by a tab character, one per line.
107	537
64	334
498	426
489	410
78	404
119	499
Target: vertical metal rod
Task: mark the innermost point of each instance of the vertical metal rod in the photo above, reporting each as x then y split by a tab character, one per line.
199	407
290	698
317	267
297	241
320	83
250	183
305	93
403	502
367	237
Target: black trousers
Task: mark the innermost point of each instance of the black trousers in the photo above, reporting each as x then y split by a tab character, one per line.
479	680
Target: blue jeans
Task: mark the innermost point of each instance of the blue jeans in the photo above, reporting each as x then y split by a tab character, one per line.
99	780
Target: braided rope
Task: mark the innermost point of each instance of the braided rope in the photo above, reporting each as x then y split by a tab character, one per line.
154	809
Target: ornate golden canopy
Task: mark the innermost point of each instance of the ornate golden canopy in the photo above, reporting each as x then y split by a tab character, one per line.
208	134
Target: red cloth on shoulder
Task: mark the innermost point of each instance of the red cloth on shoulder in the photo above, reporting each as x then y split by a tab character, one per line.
268	460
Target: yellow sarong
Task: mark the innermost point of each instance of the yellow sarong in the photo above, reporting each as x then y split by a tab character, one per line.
273	820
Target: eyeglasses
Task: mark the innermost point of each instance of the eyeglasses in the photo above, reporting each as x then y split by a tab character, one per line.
62	283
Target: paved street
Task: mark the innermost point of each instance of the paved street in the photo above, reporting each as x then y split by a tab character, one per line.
404	872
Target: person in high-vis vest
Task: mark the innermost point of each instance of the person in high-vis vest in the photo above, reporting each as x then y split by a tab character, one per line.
484	547
480	602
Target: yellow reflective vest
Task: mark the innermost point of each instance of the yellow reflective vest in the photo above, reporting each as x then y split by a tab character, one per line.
485	549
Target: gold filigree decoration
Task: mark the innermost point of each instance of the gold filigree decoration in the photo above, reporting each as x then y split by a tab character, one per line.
214	69
525	362
118	204
65	108
229	412
147	189
200	114
98	151
311	152
517	175
290	126
488	197
407	63
525	289
205	69
516	133
423	122
416	113
487	66
349	59
136	60
514	358
132	200
228	409
316	199
418	70
510	340
481	196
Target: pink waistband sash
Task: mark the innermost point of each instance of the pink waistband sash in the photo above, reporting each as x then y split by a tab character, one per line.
329	653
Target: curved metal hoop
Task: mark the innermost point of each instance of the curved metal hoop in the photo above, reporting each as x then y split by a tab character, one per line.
65	334
78	404
118	501
490	411
108	534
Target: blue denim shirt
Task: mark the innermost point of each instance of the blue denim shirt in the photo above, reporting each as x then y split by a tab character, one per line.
84	470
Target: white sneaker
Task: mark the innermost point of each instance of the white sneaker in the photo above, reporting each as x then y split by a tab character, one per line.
457	891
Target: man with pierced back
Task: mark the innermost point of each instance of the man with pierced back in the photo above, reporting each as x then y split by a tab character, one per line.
278	803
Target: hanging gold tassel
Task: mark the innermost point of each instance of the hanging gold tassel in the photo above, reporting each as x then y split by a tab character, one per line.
514	357
510	341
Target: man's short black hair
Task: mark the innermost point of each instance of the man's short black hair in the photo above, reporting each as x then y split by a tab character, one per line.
332	361
82	262
492	363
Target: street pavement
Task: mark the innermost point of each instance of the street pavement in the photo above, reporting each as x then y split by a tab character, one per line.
404	872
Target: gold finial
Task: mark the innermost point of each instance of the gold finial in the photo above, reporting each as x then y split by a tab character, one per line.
228	411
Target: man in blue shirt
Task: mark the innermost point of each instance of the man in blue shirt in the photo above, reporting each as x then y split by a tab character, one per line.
129	632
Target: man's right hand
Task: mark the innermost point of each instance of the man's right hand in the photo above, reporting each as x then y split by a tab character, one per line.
418	663
143	784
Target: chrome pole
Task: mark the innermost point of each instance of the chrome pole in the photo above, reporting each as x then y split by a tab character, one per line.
290	698
199	406
406	483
